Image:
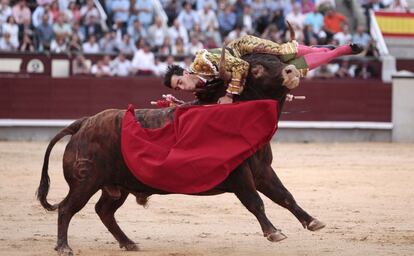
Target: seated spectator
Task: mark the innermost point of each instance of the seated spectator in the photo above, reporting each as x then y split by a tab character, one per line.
296	17
187	63
75	44
91	46
398	6
55	11
80	66
127	46
26	44
73	13
372	49
120	12
160	68
210	43
5	11
323	72
121	66
90	19
165	48
6	43
137	31
178	30
194	46
143	61
361	37
92	28
61	27
37	16
343	70
314	20
156	33
100	69
196	32
44	34
179	48
207	17
333	22
107	43
236	33
188	17
201	4
11	28
248	19
227	20
145	10
343	37
213	33
272	33
21	12
59	45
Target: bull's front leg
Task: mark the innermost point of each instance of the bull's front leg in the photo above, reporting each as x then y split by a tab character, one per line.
270	185
242	184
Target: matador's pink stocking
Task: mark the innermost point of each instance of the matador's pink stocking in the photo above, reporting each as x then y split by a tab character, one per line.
304	49
314	60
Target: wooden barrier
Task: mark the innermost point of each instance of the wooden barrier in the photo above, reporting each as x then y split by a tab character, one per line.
71	98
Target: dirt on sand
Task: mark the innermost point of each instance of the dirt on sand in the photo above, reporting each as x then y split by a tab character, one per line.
364	192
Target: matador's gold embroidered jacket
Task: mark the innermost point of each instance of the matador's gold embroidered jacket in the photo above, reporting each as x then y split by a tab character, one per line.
206	62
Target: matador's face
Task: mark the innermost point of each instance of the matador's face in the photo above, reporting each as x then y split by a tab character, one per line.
185	82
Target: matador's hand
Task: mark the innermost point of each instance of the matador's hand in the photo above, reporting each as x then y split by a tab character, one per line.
291	77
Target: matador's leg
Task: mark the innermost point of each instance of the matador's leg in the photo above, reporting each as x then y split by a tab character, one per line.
286	51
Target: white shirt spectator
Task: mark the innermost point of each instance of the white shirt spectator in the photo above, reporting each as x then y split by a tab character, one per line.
207	16
188	17
157	33
58	47
13	31
194	46
343	38
296	17
143	60
5	11
121	67
37	16
90	48
6	44
89	13
100	69
177	30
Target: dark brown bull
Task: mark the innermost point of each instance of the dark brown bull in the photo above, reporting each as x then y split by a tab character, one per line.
93	161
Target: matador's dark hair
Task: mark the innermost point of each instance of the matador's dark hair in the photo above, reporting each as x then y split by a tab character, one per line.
172	70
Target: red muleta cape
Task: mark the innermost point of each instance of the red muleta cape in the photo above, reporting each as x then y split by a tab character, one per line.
200	147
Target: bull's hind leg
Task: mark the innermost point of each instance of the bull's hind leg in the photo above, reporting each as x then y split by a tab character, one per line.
106	207
271	186
242	184
79	195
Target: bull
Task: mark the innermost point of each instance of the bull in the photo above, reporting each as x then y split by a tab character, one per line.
93	161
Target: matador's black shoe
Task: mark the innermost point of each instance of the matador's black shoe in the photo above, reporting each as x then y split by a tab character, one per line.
356	48
327	46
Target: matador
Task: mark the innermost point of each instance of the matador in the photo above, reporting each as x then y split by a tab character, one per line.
205	66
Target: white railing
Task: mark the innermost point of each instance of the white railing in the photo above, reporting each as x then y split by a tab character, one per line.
376	34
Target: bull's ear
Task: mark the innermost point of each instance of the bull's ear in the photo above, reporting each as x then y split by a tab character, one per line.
258	71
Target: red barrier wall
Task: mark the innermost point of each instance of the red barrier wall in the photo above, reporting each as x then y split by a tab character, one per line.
47	98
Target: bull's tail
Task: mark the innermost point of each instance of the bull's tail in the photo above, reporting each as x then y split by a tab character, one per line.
43	188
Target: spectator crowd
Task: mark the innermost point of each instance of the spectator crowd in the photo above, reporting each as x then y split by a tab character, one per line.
145	36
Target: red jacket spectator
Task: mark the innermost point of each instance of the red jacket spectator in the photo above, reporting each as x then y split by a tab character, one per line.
333	21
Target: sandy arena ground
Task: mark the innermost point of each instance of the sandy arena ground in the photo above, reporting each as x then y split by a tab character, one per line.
364	192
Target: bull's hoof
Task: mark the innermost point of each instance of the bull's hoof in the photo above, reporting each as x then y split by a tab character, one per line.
315	225
64	251
130	247
276	236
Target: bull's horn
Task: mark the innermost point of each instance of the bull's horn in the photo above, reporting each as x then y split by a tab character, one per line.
291	31
223	74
